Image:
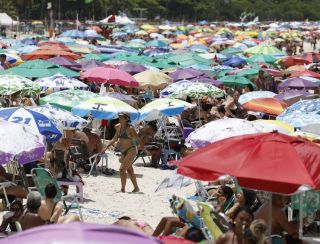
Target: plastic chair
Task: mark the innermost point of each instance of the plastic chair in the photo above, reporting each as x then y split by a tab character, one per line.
95	159
215	222
42	178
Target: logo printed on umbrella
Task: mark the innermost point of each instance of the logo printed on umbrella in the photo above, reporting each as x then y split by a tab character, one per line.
44	123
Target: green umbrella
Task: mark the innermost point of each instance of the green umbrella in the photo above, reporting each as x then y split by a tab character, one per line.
262	58
231	50
264	49
252	71
236	81
189	59
67	99
11	83
39	68
94	56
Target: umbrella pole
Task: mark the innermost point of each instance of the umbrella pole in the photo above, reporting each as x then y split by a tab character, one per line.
301	216
270	217
104	134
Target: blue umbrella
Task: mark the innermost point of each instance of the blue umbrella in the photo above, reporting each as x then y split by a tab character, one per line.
154	52
36	121
235	61
157	43
73	34
305	106
299	119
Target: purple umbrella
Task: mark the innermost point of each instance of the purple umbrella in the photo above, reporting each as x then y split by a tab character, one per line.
297	83
66	62
185	74
132	68
88	64
208	80
80	233
293	96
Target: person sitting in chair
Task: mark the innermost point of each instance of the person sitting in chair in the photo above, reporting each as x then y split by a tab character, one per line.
30	217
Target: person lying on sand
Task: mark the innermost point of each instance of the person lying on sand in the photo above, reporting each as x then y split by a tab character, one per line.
135	224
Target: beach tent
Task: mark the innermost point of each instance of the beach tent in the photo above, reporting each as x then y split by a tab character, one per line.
6	20
117	19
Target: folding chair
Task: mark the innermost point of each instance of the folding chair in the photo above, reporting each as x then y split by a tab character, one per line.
95	159
203	193
42	178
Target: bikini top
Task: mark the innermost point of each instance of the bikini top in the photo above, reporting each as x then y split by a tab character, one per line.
123	134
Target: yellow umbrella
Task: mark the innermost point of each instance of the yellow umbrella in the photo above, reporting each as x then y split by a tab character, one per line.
148	27
141	33
152	79
272	125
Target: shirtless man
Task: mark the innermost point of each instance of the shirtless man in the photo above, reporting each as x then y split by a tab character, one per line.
280	221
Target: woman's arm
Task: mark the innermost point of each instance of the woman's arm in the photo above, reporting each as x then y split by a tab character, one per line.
114	139
56	213
227	108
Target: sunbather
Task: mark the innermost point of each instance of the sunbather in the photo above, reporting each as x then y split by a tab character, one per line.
135	224
30	217
15	191
128	138
50	211
12	216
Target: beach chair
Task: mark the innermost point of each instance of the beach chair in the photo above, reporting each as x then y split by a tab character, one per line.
203	193
78	151
215	223
95	159
42	178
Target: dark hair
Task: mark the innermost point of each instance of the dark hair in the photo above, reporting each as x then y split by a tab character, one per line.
250	86
188	99
194	234
249	196
50	191
153	125
16	202
227	191
125	218
3	55
245	209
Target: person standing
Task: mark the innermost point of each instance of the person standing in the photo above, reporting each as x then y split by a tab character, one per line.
127	137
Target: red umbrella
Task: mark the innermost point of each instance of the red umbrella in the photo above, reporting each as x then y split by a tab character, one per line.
268	105
311	57
46	54
110	76
294	60
306	73
271	162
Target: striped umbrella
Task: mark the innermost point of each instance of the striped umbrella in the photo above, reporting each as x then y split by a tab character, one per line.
104	108
67	99
163	107
268	105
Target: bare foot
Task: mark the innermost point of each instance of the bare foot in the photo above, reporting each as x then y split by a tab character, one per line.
123	190
136	190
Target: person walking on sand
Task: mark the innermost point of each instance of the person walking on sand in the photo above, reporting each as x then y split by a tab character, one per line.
128	138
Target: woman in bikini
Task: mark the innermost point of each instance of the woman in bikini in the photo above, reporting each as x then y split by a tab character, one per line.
128	138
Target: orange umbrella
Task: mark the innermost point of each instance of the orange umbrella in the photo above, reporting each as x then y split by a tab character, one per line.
55	47
296	68
46	54
268	105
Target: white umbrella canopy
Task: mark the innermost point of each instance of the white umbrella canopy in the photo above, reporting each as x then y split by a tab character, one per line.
221	129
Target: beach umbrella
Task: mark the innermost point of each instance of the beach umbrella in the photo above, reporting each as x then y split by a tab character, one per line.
66	62
163	107
109	76
123	97
267	105
82	233
312	105
311	57
63	119
235	61
96	56
298	83
18	142
59	82
11	83
193	89
104	108
306	73
132	68
296	68
174	180
246	97
220	129
298	118
271	162
262	58
157	43
89	64
73	34
38	69
264	49
275	125
185	74
207	80
154	52
37	122
231	51
293	60
152	79
292	96
236	81
82	48
312	128
46	54
67	99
